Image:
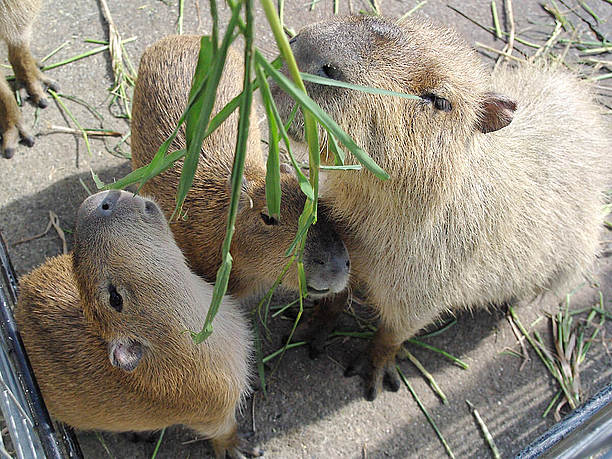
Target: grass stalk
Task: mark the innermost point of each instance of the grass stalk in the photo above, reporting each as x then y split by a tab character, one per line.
425	412
498	31
426	374
454	359
74	120
158	444
239	156
179	22
485	431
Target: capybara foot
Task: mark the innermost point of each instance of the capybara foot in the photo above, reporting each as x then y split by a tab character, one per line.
235	445
28	74
375	377
321	323
13	134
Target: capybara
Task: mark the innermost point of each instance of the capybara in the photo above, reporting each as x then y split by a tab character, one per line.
260	240
496	182
106	329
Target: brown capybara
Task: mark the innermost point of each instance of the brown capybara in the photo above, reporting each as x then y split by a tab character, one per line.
106	330
496	182
260	240
16	18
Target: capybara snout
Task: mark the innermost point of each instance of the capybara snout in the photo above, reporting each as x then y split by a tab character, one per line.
107	205
326	259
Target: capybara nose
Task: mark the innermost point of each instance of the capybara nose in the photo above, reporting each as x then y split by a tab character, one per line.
108	204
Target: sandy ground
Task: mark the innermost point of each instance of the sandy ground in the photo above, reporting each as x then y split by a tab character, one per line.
310	410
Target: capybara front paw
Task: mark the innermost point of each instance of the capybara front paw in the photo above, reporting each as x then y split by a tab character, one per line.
314	335
36	86
375	377
13	134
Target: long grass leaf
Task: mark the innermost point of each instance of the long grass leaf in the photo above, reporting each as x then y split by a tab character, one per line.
367	89
311	106
239	157
194	141
273	187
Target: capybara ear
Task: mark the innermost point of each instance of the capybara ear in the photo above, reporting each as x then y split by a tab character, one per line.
125	353
498	111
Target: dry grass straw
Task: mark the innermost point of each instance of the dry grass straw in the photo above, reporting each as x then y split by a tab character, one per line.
507	50
123	70
53	223
571	340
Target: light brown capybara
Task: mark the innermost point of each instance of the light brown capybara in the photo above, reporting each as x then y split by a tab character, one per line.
496	181
106	330
260	240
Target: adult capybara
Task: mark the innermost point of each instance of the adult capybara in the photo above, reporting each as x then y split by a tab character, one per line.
260	240
496	182
105	329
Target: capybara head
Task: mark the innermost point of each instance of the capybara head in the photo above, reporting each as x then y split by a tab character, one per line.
129	273
261	240
413	57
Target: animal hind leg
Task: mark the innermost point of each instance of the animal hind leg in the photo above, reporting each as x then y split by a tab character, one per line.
231	443
11	124
377	364
27	72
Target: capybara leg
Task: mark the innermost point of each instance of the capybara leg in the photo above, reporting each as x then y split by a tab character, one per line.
234	445
377	365
27	72
321	323
11	124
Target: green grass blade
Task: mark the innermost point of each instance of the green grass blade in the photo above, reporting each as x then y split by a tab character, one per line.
159	441
332	144
195	135
273	187
239	157
308	104
367	89
269	103
425	412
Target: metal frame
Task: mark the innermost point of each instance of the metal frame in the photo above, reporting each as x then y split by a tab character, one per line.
32	432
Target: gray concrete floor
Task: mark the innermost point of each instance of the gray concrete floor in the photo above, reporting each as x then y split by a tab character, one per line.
310	409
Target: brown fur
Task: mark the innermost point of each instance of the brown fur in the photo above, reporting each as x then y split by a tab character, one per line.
496	185
16	18
72	333
258	249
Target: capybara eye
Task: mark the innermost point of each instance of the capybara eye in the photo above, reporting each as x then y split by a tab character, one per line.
442	104
268	220
115	299
329	71
150	207
439	103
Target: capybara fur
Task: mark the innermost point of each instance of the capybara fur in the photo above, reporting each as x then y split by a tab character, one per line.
260	240
106	330
16	18
496	182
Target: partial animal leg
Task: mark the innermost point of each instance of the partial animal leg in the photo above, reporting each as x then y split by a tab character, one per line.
27	72
11	123
377	364
231	444
321	323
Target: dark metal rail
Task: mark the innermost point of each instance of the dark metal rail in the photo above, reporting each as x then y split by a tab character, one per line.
31	429
585	432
